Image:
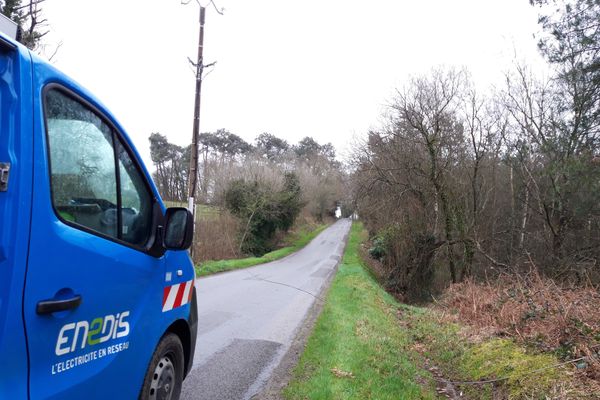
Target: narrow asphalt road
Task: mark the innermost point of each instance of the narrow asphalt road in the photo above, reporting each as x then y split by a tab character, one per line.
247	319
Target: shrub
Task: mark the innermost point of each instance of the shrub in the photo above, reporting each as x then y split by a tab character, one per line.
378	250
263	211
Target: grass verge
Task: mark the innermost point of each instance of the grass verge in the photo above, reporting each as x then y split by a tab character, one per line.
357	350
366	345
295	242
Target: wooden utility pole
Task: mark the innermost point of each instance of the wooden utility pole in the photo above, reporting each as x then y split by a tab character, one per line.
193	178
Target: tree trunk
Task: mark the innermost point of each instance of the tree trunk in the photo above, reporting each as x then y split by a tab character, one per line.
524	218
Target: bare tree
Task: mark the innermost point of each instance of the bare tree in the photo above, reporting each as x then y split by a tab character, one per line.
29	18
427	114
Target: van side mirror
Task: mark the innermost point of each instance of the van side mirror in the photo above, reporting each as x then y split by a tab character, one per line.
179	229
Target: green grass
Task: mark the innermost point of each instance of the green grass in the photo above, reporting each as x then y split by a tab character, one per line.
366	345
523	373
295	242
357	350
527	374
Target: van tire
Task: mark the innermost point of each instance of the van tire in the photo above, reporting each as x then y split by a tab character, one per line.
165	372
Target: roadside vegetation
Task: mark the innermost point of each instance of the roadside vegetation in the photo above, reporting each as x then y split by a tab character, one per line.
367	345
357	350
250	194
466	183
483	205
292	243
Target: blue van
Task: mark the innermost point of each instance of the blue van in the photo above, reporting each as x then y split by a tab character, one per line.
97	296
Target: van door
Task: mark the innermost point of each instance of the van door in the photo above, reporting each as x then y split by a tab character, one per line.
16	160
93	294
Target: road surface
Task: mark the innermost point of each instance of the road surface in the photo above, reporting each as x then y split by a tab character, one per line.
247	319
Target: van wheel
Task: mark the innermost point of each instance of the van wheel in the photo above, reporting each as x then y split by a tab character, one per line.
165	373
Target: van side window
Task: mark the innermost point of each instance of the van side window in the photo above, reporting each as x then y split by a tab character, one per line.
82	164
136	202
85	174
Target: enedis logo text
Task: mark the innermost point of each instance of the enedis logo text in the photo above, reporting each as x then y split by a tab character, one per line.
99	330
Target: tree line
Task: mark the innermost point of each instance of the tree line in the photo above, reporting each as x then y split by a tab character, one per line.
460	183
265	184
225	156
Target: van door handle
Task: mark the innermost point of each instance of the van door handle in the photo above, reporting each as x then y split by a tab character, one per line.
50	306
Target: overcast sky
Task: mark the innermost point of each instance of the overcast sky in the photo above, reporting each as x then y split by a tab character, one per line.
324	68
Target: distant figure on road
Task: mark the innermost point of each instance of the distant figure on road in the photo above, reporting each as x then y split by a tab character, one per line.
338	212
